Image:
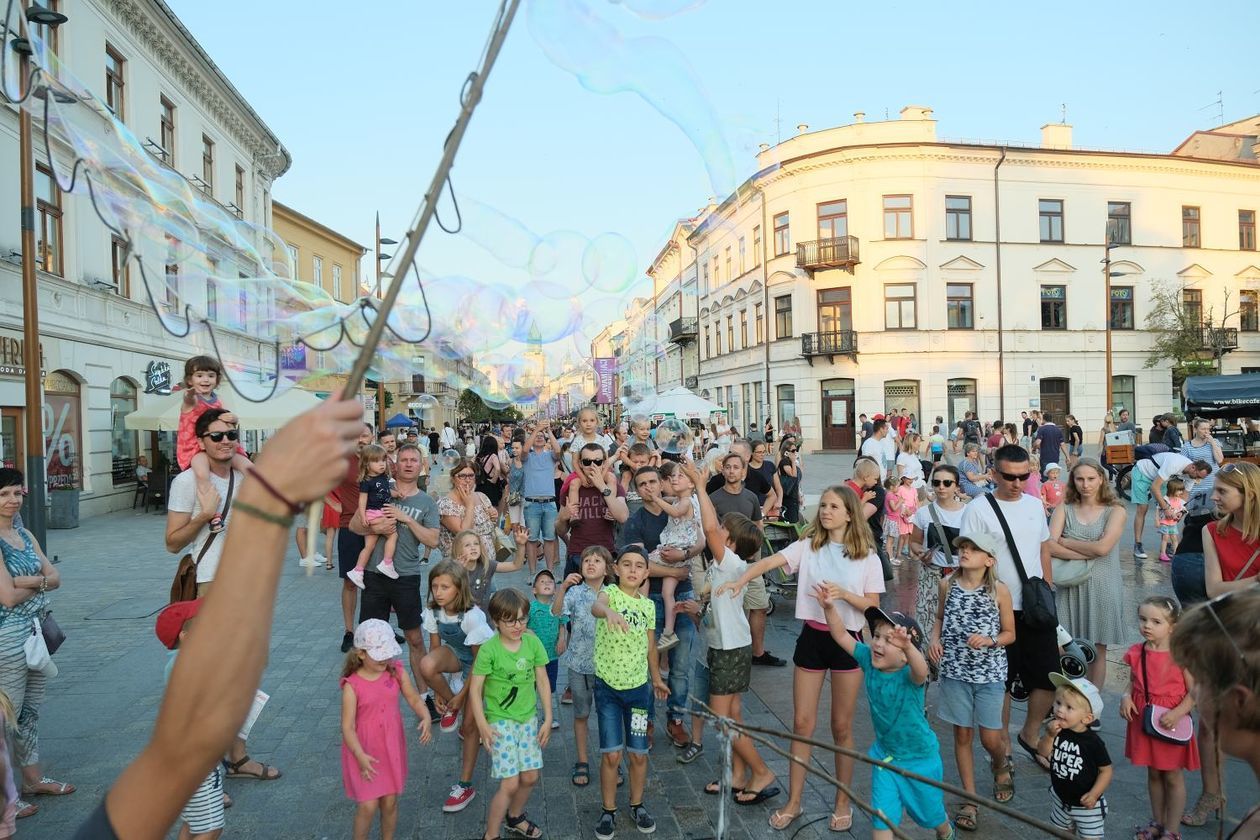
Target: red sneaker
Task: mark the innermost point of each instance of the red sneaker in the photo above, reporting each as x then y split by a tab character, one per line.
449	721
459	798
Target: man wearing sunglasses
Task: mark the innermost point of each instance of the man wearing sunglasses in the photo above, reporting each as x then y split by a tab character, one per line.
188	515
1035	652
601	503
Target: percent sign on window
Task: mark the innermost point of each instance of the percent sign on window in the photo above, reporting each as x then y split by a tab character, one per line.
58	440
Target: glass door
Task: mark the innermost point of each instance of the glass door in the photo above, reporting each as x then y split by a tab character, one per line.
11	430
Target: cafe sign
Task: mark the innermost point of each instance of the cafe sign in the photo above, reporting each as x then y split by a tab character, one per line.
157	378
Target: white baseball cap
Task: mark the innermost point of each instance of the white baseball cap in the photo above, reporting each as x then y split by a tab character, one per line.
1082	685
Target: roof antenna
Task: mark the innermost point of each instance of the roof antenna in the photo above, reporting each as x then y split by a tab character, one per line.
1063	114
1219	105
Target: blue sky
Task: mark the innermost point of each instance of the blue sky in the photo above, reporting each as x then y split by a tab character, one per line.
364	104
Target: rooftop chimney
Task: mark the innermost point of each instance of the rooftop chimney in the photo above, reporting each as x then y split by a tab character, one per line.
1056	136
802	128
765	147
859	116
916	112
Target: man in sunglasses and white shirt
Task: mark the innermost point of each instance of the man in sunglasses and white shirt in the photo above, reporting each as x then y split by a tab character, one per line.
188	515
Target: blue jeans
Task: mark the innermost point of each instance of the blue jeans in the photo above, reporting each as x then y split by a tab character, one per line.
1187	579
699	685
680	657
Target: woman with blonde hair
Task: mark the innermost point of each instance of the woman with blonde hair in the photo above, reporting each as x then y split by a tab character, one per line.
837	551
1108	426
1087	528
1218	643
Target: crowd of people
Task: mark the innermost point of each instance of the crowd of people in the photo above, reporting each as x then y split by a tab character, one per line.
659	595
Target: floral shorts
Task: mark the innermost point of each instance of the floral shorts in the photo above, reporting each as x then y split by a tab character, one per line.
515	748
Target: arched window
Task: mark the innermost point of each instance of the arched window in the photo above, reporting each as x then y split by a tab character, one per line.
124	444
63	432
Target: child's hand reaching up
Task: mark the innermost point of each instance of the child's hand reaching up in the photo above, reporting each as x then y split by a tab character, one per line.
900	638
520	534
827	594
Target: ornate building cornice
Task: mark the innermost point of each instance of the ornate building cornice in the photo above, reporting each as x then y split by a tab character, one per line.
195	79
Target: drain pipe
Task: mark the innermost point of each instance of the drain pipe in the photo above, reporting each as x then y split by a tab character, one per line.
997	245
765	305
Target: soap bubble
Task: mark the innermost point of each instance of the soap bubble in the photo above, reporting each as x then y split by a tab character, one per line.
673	436
425	402
450	457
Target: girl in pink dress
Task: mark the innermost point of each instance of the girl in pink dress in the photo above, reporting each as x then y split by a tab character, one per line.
202	374
374	748
1156	678
900	506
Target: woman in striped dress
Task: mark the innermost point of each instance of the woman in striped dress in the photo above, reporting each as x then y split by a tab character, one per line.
1202	447
25	580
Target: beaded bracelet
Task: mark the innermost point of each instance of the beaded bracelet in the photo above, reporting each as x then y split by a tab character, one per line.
270	488
259	513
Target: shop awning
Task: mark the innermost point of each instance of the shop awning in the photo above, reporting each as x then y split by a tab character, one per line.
1233	396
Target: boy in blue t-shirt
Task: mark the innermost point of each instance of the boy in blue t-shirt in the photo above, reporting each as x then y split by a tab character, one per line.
895	674
548	627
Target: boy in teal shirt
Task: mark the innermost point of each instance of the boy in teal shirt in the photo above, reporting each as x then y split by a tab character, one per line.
624	633
895	674
547	627
508	669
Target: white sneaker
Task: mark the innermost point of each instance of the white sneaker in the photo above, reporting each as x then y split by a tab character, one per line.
306	561
319	559
386	567
355	576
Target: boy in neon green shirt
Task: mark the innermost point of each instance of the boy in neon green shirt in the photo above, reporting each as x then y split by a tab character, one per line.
624	633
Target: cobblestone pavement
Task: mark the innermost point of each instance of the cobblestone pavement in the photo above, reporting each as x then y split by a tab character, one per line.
100	710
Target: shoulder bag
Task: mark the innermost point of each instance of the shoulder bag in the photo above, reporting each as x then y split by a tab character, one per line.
184	587
941	535
1069	573
1152	712
1040	612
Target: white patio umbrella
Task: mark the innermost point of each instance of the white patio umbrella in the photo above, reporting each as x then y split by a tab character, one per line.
161	413
679	402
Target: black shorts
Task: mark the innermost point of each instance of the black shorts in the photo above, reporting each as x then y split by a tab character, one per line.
381	593
817	651
349	545
1033	656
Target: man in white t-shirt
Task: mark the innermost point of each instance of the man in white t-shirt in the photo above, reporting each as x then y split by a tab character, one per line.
188	515
1149	476
449	438
1035	652
873	446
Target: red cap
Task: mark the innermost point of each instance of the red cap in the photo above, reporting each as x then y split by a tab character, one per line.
170	621
879	417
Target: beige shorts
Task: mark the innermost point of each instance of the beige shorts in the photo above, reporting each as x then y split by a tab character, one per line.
755	595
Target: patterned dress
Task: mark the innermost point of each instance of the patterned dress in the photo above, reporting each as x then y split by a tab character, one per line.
1094	610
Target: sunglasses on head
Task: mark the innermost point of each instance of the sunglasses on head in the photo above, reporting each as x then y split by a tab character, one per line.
943	482
218	437
1210	606
1013	476
588	462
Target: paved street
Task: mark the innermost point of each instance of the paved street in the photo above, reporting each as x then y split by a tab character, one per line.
101	708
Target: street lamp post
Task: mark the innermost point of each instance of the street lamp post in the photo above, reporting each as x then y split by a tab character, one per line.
36	514
1107	275
380	383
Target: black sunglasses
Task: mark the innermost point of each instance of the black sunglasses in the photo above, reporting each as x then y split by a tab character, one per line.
946	482
218	437
586	462
1014	476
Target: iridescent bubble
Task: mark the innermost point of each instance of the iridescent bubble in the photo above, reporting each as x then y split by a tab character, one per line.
425	402
672	436
450	457
608	262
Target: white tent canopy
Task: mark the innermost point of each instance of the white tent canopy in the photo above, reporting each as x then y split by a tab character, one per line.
679	402
160	413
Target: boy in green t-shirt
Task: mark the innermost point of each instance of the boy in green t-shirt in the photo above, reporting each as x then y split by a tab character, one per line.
505	674
547	627
624	633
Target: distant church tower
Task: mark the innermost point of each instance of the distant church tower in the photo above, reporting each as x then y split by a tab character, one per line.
535	372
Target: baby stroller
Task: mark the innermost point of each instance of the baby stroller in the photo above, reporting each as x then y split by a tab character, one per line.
778	535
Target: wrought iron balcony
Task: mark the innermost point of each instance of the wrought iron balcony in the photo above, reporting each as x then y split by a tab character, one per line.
682	330
840	252
830	344
1218	339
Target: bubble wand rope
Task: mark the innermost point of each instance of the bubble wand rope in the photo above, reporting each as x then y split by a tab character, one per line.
469	98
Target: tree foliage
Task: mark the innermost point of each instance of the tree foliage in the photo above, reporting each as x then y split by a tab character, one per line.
1187	339
472	407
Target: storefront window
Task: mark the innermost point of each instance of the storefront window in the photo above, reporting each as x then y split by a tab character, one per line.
125	444
63	433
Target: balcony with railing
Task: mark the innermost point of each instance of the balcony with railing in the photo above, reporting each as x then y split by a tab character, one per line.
1218	339
838	252
830	344
682	330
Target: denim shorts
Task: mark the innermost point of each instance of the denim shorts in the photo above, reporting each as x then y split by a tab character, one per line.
515	748
971	704
623	718
540	518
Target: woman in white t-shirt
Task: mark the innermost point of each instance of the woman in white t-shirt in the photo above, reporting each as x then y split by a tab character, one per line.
908	463
722	434
838	550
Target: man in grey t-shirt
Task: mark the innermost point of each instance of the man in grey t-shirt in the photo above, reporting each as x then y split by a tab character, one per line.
416	516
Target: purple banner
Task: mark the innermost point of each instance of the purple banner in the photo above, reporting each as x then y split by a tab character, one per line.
605	374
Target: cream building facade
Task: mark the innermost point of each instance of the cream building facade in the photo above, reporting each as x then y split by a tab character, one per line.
874	266
102	345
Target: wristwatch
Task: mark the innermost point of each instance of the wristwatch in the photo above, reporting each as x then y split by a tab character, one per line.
606	492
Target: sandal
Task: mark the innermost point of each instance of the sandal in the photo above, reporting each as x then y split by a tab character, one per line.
266	774
1208	804
1151	831
26	809
841	822
714	788
581	770
522	827
1033	754
690	754
1002	791
966	816
57	789
756	797
780	820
